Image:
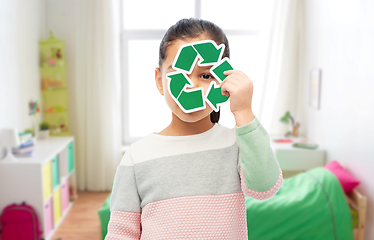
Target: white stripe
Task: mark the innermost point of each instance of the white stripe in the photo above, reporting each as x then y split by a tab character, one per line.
155	146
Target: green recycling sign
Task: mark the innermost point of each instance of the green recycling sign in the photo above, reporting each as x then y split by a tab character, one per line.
204	53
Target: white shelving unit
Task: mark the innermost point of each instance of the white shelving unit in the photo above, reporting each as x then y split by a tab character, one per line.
41	181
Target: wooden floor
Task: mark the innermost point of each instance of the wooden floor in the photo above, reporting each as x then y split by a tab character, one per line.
82	221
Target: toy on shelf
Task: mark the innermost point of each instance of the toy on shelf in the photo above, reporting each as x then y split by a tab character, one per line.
53	77
55	100
52	52
55	109
33	111
52	63
33	108
59	126
53	84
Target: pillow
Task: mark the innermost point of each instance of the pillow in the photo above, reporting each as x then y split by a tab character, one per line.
347	181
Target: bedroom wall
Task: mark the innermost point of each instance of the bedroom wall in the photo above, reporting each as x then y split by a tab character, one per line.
22	25
61	18
337	37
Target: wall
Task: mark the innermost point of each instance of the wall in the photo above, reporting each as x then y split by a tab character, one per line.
22	27
23	24
337	37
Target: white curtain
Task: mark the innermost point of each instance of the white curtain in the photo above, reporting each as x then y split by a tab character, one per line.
96	95
279	92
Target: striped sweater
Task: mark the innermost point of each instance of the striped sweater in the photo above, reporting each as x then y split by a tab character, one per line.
192	187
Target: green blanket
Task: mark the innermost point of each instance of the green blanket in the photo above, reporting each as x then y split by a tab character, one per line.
104	215
310	205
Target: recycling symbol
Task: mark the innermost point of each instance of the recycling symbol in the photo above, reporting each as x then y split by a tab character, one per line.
204	53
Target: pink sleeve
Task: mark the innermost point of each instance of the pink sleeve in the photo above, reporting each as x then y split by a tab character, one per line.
124	225
261	195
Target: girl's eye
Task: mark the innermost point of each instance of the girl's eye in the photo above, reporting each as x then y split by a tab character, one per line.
207	76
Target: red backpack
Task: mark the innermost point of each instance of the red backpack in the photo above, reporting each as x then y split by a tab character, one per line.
20	222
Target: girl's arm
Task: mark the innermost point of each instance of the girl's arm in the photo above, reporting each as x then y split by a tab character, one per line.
261	176
125	203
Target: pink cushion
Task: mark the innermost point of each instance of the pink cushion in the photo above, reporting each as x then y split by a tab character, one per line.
347	181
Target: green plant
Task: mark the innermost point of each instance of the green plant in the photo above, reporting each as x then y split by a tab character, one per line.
44	126
30	131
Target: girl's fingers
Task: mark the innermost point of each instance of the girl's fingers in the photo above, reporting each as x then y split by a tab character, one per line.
227	88
231	79
229	72
234	81
223	82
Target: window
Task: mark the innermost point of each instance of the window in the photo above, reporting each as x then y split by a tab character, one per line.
144	23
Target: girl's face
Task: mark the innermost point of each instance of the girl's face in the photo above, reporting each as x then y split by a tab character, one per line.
200	76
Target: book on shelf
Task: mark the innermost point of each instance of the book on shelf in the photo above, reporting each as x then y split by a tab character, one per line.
26	147
24	137
305	145
28	143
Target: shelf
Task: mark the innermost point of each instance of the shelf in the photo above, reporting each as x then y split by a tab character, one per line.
50	235
44	150
55	90
46	66
297	159
42	181
56	112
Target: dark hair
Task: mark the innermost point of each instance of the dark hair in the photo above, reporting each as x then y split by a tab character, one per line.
193	28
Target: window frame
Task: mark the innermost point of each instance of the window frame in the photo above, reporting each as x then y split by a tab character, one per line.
127	35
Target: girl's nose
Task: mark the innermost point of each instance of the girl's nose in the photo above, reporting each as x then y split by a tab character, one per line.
196	82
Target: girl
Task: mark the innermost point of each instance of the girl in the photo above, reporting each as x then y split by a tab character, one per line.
188	181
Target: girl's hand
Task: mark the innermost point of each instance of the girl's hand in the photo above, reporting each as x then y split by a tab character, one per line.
239	87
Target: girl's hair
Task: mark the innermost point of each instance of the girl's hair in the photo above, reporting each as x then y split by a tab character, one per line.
194	28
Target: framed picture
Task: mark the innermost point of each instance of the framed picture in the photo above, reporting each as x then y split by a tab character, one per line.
315	88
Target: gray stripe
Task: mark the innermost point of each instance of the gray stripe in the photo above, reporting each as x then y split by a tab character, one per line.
125	196
201	173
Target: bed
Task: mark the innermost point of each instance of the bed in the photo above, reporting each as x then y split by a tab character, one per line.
357	203
309	205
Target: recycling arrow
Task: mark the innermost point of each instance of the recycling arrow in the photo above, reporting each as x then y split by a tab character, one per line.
218	69
209	52
214	96
191	100
177	83
206	50
185	59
